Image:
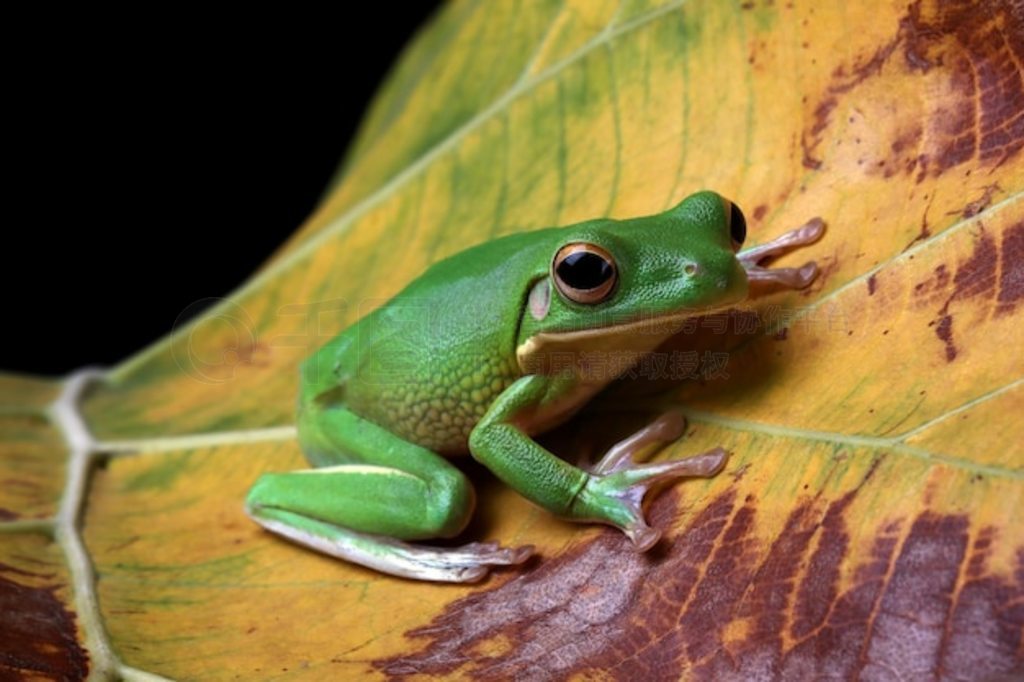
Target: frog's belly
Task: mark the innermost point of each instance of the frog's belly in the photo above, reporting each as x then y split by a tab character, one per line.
556	411
443	423
437	411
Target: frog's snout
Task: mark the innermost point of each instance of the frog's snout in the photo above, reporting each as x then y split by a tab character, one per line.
718	276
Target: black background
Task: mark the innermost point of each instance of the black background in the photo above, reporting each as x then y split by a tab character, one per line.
158	163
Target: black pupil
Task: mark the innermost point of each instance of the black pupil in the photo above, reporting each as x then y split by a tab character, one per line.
584	270
737	225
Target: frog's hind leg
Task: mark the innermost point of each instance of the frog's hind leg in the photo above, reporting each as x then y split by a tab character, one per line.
387	491
468	563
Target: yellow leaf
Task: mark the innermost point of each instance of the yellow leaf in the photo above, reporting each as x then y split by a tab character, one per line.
868	521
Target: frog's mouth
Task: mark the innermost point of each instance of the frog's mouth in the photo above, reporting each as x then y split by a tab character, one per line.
623	343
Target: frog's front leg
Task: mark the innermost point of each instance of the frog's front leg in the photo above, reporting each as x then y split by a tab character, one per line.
387	490
611	493
795	278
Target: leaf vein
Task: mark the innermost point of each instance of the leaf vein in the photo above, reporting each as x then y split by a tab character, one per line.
869	442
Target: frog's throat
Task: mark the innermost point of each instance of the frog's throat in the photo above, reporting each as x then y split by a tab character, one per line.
637	337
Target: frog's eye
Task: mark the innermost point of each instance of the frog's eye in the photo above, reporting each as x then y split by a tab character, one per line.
584	273
737	226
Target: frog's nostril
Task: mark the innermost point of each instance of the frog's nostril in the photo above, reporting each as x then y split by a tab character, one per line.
691	269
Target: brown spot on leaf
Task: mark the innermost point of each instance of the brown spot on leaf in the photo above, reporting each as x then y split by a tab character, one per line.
7	515
905	153
933	289
980	550
725	580
1011	269
818	592
925	231
811	139
843	82
910	621
986	608
721	601
982	45
759	211
872	284
975	277
772	586
978	48
833	648
981	203
944	330
38	637
569	613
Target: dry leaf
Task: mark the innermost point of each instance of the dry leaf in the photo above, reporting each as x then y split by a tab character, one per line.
868	522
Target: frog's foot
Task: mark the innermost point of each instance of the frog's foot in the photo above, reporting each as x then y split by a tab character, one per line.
465	564
620	495
615	491
795	278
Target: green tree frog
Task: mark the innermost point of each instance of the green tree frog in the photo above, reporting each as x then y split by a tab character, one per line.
487	349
